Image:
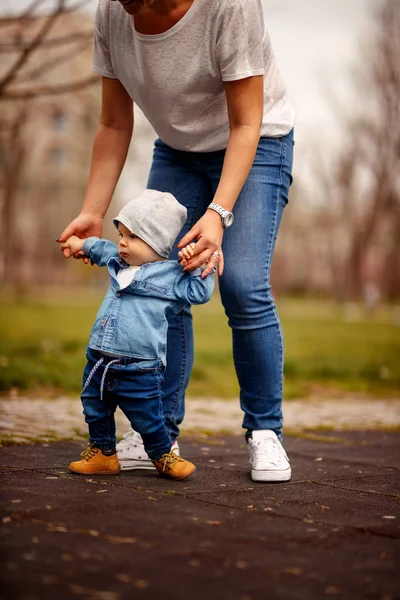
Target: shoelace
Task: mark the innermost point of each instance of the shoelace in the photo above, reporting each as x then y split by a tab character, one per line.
90	452
169	460
269	450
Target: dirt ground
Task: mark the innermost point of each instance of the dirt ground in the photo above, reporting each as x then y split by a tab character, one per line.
331	531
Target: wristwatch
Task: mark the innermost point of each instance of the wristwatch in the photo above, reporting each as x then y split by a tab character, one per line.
227	217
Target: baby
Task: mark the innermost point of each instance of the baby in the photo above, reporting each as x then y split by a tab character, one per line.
126	354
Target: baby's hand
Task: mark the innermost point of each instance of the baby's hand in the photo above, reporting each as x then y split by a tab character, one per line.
73	244
186	253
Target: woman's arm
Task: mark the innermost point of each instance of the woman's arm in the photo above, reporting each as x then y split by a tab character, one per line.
245	100
110	148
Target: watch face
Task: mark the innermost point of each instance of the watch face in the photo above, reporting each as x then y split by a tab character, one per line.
228	220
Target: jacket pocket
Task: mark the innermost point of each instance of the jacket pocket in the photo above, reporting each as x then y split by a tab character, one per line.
157	289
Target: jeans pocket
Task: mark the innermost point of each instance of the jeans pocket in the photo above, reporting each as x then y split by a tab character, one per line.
147	366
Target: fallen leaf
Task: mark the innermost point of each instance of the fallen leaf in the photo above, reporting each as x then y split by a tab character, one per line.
332	590
293	571
141	584
388	517
151	498
77	589
268	509
93	594
213	522
124	577
6	520
115	539
28	556
98	595
101	491
206	544
51	477
384	556
16	501
322	507
49	579
53	527
194	563
67	557
241	564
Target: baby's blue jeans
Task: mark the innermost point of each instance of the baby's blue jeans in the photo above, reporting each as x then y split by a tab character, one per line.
135	386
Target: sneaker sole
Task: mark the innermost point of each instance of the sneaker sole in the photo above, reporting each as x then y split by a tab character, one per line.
96	472
271	476
130	465
176	478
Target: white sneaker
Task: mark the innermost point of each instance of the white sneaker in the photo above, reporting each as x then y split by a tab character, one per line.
131	452
268	459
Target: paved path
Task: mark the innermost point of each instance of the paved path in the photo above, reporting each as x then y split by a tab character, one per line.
331	532
25	420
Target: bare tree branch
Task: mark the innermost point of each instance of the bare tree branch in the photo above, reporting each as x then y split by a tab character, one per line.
47	66
35	43
51	90
73	38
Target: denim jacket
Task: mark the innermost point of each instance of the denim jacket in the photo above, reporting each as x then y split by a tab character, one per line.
133	321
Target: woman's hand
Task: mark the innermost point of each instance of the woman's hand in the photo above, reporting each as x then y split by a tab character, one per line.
84	226
208	233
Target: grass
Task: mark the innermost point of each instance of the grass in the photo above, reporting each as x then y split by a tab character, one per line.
329	350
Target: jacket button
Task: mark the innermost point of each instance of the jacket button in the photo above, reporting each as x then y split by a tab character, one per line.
118	294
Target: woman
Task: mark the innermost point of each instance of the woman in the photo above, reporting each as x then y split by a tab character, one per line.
204	74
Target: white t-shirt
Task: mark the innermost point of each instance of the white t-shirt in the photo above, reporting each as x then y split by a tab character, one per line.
126	276
177	77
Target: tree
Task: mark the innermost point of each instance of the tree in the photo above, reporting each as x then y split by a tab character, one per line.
43	73
362	186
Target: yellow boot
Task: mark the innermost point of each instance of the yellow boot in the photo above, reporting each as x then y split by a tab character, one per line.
94	462
174	467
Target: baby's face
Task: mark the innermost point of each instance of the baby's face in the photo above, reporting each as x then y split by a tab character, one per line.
133	250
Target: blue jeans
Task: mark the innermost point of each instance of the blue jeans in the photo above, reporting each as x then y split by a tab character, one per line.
135	386
248	247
